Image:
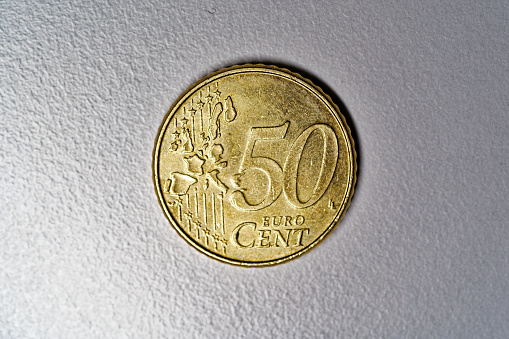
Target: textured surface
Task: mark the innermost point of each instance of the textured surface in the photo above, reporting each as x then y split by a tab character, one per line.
86	252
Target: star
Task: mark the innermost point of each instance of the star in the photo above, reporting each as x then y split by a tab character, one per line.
217	93
174	146
184	121
200	104
192	110
206	231
179	201
209	97
176	135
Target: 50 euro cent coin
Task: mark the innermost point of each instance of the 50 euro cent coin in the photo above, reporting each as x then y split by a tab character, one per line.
254	165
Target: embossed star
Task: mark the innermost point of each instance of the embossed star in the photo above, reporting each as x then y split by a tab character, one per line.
209	98
192	110
174	146
206	231
200	104
217	93
184	121
176	135
179	201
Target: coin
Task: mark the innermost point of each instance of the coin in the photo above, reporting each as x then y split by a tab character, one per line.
254	165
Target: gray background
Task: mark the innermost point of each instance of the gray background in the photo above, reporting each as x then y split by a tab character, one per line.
86	251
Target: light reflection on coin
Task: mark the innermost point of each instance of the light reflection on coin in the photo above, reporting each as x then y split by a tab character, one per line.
254	165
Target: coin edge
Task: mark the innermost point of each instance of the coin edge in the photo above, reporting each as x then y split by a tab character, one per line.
335	110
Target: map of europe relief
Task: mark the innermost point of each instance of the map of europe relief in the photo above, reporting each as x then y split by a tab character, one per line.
197	193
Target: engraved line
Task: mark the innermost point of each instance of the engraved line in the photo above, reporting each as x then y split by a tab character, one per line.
206	128
187	200
201	114
180	213
224	245
222	213
205	206
192	122
196	200
214	210
206	121
194	132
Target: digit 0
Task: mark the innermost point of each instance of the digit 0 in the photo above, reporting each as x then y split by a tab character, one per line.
329	155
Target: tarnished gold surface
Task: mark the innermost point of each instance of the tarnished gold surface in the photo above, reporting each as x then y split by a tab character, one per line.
254	165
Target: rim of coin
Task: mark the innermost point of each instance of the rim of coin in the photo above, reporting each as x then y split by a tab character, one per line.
308	84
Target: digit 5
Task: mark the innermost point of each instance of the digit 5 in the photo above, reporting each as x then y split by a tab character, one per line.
266	165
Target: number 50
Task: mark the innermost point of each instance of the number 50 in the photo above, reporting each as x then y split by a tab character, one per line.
286	178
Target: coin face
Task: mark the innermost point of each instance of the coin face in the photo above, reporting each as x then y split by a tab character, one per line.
254	165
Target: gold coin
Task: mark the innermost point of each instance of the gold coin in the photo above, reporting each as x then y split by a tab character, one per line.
254	165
